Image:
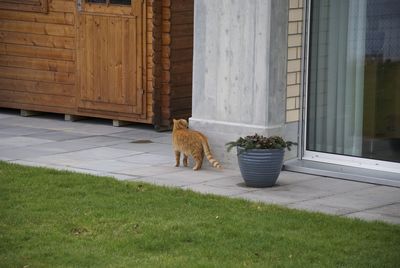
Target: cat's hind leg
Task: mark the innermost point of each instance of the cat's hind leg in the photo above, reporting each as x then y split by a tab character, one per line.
185	160
177	158
199	161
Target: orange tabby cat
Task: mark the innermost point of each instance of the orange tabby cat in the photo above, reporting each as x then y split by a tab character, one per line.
192	143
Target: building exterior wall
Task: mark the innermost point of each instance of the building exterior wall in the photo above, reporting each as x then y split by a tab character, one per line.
37	57
294	74
177	59
294	63
40	66
239	80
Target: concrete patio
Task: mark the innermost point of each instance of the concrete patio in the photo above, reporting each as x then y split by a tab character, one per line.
139	153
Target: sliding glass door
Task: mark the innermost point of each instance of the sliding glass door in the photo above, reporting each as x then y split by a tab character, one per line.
353	94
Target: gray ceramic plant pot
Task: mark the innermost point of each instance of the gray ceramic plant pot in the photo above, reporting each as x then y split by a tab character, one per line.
260	167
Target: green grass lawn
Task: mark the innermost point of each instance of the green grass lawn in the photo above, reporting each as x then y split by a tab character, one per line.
59	219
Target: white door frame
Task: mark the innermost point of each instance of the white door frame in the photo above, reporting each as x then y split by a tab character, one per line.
320	156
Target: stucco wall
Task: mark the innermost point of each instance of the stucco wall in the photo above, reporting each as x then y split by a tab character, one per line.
240	61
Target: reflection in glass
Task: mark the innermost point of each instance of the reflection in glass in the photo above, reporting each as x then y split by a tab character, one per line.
96	1
120	2
354	79
112	2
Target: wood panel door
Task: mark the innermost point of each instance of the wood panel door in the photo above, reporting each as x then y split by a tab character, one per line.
110	57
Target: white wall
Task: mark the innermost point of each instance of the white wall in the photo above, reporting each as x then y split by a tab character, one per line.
239	71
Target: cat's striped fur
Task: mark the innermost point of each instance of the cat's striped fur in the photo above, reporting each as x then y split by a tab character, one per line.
190	142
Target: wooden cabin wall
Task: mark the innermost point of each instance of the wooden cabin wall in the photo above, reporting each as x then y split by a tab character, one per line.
175	95
154	49
181	58
153	10
37	58
38	61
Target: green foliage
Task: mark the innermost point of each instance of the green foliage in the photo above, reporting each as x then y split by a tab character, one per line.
260	142
50	218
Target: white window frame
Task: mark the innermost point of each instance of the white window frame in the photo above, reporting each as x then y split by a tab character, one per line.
320	156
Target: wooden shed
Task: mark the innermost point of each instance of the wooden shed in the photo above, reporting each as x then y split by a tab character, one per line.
118	59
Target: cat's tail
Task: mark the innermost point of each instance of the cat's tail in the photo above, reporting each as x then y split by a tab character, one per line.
208	154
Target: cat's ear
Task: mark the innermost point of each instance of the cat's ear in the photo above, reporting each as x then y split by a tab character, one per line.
174	120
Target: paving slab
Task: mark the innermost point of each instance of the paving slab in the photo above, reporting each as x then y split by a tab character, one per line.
40	122
308	189
20	131
209	189
75	169
230	185
5	115
25	153
313	205
56	135
107	166
140	134
93	127
80	144
186	176
164	139
77	157
21	141
149	171
362	199
388	213
374	217
290	178
96	147
149	158
155	148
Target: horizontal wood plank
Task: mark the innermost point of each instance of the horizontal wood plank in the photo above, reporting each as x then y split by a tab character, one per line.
113	115
180	79
37	64
37	28
27	5
182	42
37	75
37	52
62	6
36	99
37	107
182	5
37	40
52	17
37	87
181	30
182	18
105	106
181	67
182	92
180	104
182	55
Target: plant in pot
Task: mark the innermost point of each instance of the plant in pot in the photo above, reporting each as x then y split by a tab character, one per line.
260	158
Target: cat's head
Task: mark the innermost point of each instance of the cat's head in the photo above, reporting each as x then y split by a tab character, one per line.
180	124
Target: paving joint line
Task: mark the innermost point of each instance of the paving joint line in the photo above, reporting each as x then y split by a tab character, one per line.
377	207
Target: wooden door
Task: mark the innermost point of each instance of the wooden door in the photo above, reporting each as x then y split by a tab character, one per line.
110	57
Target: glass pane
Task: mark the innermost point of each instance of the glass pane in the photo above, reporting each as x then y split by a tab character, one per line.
96	1
120	2
382	81
354	78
